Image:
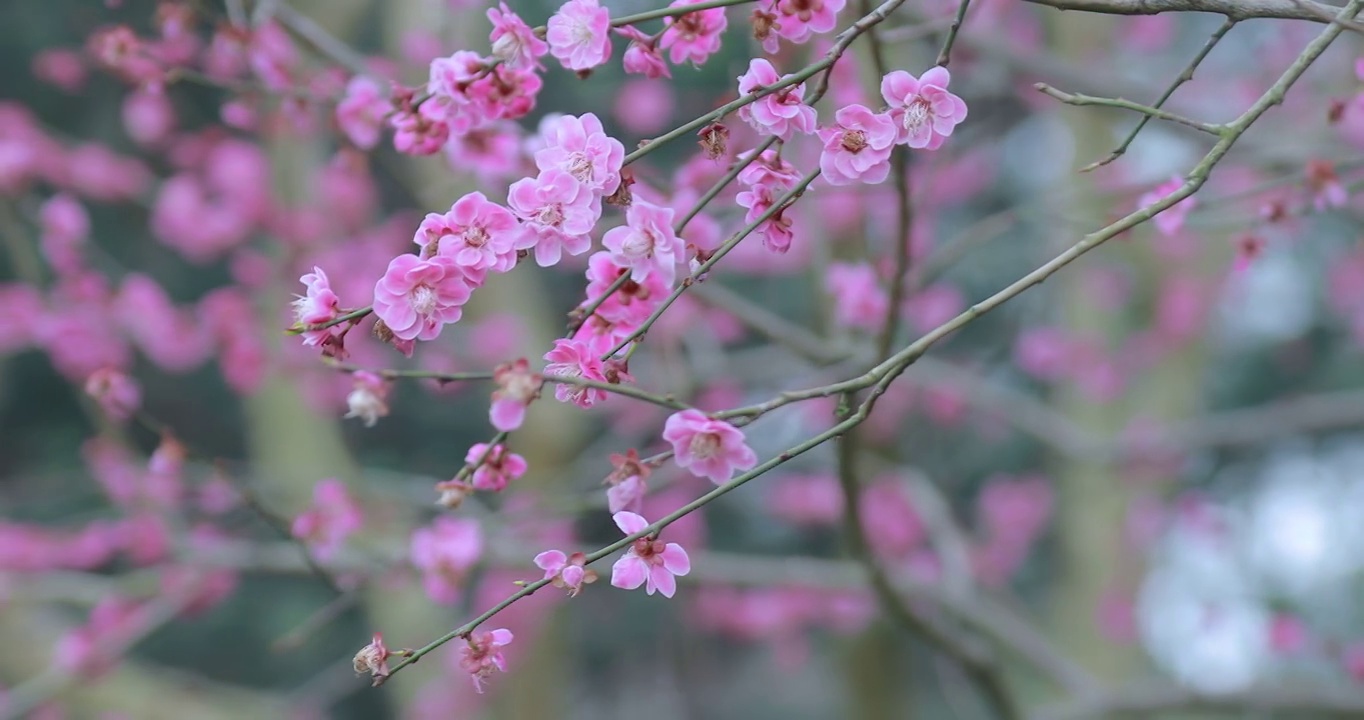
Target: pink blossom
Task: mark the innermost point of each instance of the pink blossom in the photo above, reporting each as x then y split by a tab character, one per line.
1170	220
569	572
558	214
798	20
633	302
476	233
1044	352
65	226
642	56
118	395
148	116
648	562
482	654
813	500
317	306
333	517
858	148
368	398
695	36
361	113
422	131
445	552
627	482
580	147
922	108
517	386
781	113
60	67
859	299
579	34
575	359
644	107
708	448
92	649
492	152
513	41
499	467
1327	190
416	298
768	179
647	243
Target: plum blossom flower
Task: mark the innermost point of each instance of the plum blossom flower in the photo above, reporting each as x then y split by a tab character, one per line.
499	467
709	448
445	552
421	131
86	649
1327	190
694	36
513	41
558	214
416	298
798	20
517	386
580	147
368	398
1172	219
373	658
646	244
627	482
768	179
631	304
319	305
566	571
923	109
858	148
579	34
781	113
333	517
118	395
574	359
648	562
362	111
859	299
482	654
476	233
642	56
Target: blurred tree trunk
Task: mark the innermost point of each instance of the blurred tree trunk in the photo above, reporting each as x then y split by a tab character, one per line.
1092	497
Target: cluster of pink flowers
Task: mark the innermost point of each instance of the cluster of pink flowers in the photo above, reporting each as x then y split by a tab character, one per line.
334	516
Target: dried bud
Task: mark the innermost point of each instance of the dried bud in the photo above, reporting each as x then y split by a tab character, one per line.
763	24
622	196
452	493
373	659
715	140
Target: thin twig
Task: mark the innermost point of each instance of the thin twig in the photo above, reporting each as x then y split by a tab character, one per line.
1080	100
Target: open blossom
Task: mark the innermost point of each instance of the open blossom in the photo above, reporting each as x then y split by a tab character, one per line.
118	395
648	562
628	482
631	304
708	448
575	359
1172	219
798	20
416	298
476	233
368	399
647	243
642	56
517	386
445	552
500	467
569	572
859	299
580	147
513	41
422	131
482	654
333	517
558	214
319	305
857	149
923	109
362	111
781	113
694	36
579	34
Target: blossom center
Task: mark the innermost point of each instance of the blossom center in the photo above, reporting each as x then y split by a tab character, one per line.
704	445
854	141
916	114
476	237
423	299
639	244
580	166
552	215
